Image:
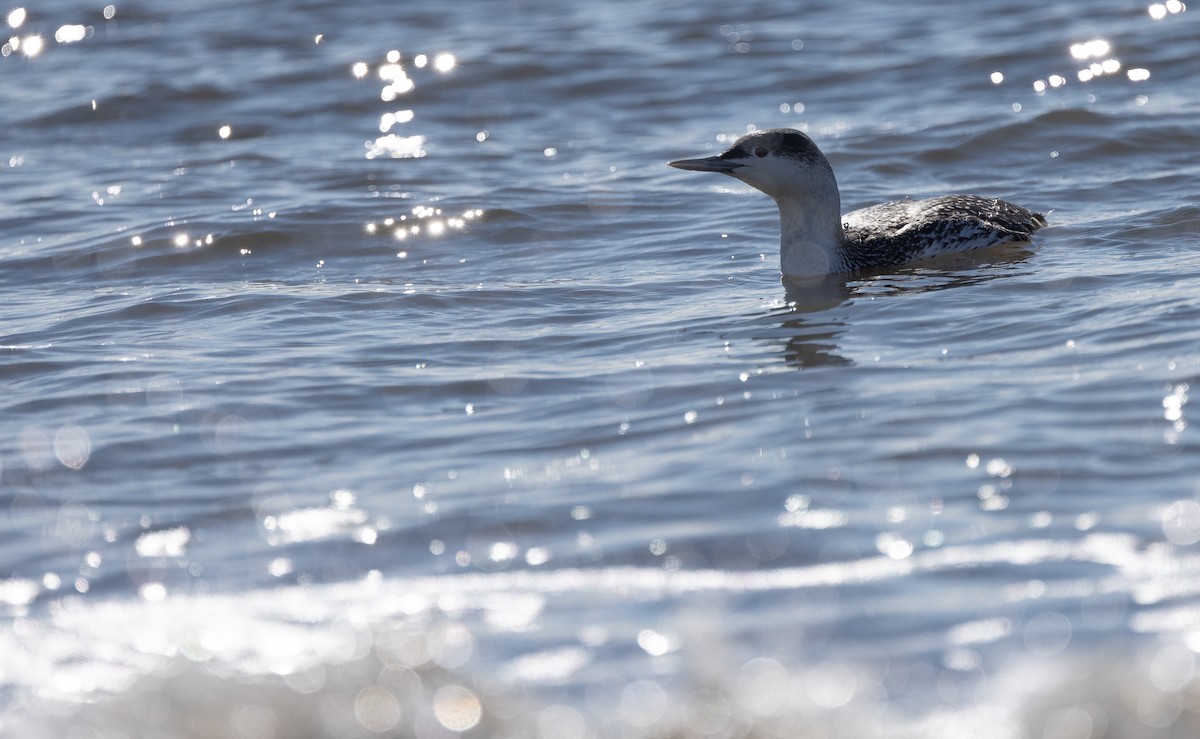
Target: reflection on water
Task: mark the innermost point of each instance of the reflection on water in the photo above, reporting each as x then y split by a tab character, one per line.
1158	11
809	338
32	45
397	82
810	335
426	220
813	345
421	219
1099	58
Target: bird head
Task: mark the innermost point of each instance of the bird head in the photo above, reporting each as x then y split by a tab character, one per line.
781	162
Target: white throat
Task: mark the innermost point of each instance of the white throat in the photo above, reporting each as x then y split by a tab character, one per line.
811	241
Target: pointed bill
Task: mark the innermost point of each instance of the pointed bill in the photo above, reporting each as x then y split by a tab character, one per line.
708	164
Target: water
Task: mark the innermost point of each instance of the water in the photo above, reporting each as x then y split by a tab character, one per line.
368	372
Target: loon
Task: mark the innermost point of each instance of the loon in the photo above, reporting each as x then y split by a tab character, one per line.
816	239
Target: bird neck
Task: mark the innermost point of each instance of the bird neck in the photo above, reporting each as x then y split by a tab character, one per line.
811	240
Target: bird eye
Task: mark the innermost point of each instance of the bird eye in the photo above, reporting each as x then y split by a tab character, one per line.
761	152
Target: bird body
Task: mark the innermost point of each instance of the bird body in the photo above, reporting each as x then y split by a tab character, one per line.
816	239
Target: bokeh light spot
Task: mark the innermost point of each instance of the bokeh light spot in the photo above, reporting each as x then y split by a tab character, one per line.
457	708
1181	522
37	448
72	446
376	709
1047	634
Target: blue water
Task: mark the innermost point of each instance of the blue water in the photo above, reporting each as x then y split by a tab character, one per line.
369	373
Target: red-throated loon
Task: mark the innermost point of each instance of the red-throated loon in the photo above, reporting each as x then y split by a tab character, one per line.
816	239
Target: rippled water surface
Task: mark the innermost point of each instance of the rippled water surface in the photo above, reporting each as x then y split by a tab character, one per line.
368	373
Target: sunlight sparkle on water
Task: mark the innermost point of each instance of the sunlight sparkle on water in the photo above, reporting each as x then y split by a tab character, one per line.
387	120
18	592
311	524
16	17
70	34
153	592
1089	49
31	46
280	566
165	543
1158	11
391	72
398	82
1092	50
654	643
396	147
893	545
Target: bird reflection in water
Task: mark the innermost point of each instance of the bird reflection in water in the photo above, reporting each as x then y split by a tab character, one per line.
809	332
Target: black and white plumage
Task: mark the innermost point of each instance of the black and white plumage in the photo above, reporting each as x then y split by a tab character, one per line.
816	239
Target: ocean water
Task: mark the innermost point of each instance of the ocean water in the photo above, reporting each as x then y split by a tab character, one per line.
368	373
